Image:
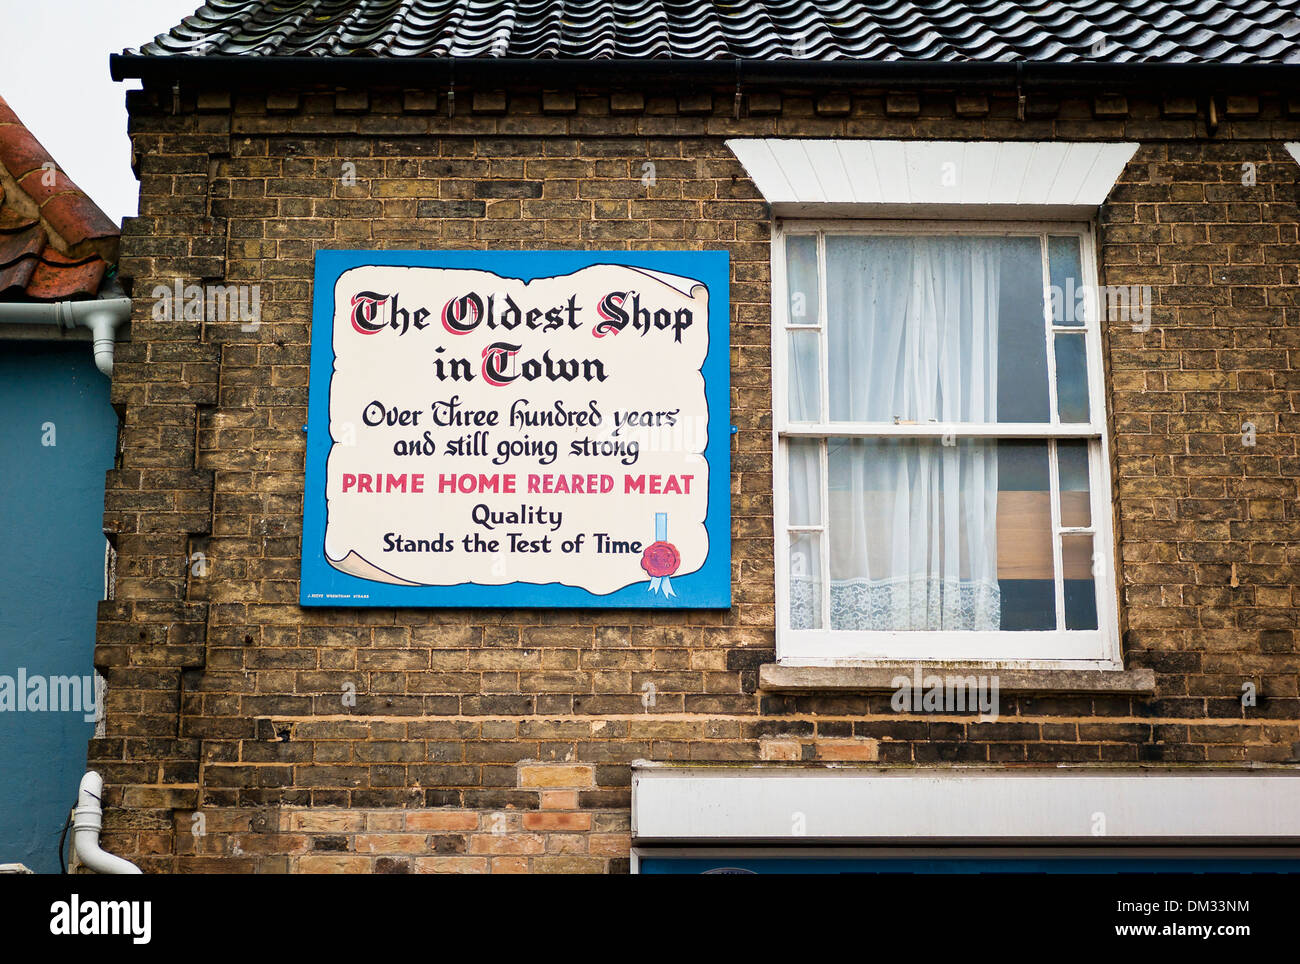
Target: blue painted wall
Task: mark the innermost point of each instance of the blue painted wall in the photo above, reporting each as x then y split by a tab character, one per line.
51	576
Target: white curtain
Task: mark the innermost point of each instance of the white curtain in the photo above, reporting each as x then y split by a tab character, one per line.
912	328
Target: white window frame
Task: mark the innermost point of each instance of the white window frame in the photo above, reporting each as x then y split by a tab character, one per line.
1058	649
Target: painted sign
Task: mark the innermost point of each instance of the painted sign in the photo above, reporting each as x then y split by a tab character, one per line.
523	428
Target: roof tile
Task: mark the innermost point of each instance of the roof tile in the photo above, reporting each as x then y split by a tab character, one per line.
77	219
55	243
57	283
15	277
17	245
20	151
44	183
11	219
1227	31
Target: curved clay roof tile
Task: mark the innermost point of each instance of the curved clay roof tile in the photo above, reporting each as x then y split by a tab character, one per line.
55	242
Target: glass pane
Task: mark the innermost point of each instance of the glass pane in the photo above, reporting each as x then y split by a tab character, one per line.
805	580
936	329
1071	378
1023	391
931	536
805	482
913	534
801	276
1080	590
1072	469
1065	270
1026	570
805	376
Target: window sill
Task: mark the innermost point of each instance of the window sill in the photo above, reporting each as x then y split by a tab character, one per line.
779	678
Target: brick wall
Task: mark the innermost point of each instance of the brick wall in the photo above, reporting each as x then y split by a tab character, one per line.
555	833
493	740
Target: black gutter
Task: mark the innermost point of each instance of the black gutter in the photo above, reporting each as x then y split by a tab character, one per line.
499	73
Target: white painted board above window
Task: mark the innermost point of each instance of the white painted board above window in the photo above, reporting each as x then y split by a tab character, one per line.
803	177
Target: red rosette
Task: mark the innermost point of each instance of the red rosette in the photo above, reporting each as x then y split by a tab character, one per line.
660	559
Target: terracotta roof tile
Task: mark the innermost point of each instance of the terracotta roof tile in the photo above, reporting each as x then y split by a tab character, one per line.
77	219
42	184
51	283
15	277
55	242
12	220
54	259
16	245
20	152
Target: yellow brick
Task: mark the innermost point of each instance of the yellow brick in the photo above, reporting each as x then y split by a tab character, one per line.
779	749
559	799
325	821
384	821
566	843
609	844
333	864
556	775
848	750
391	843
569	864
451	865
439	820
503	843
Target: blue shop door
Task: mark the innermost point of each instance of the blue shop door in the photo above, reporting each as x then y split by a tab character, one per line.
57	438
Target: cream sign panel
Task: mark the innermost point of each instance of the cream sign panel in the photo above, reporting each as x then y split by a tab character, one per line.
518	429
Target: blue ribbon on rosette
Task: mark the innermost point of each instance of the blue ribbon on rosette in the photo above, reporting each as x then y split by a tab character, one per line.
662	584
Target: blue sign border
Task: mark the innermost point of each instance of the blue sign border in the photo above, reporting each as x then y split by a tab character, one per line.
707	588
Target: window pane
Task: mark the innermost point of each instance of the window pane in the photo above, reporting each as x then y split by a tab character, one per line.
913	540
1072	469
1071	378
805	377
805	482
936	328
801	276
805	581
1066	273
1026	569
1024	394
927	536
1080	589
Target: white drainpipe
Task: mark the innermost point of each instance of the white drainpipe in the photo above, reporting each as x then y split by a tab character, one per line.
100	315
86	823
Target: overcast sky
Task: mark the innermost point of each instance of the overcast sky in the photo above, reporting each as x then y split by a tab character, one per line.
54	74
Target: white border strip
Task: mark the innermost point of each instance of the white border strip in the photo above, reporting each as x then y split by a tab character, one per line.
795	806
